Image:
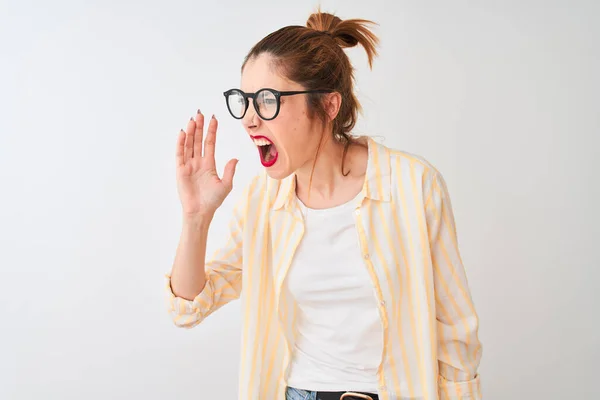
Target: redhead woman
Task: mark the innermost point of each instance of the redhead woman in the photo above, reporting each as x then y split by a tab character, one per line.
344	251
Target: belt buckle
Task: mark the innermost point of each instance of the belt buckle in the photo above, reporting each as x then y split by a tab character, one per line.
358	395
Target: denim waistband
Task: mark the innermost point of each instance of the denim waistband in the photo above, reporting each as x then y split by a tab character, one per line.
301	394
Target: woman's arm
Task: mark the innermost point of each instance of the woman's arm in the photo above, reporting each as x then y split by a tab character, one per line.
188	277
459	349
196	290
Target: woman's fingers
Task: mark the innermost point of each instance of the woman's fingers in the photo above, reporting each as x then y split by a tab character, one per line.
209	142
198	133
228	173
179	151
189	140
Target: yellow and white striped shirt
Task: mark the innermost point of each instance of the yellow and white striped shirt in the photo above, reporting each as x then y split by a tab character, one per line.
408	240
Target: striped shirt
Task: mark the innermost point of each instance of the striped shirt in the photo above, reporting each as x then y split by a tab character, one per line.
409	245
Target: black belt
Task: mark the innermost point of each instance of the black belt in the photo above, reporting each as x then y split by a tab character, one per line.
338	396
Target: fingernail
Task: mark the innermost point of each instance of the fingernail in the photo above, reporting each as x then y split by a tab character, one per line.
213	116
191	118
198	111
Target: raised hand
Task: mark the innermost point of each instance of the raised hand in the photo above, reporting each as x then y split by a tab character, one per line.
200	189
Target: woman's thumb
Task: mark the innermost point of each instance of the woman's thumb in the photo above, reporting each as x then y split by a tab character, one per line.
229	172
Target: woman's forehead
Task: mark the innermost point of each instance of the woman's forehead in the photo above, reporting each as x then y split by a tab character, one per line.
260	73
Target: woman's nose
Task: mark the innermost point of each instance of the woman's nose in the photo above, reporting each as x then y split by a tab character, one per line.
251	120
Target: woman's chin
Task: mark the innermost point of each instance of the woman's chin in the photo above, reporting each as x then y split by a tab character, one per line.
275	172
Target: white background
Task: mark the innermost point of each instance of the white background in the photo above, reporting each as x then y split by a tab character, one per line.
501	96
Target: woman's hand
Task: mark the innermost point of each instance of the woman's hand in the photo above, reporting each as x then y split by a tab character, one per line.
200	189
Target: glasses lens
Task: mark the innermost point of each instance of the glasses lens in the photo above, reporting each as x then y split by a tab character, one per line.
266	104
236	103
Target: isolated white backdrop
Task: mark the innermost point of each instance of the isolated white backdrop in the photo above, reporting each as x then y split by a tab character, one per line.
501	96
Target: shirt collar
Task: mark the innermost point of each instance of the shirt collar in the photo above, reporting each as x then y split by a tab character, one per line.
377	184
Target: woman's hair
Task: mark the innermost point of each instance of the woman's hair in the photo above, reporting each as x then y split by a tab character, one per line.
313	56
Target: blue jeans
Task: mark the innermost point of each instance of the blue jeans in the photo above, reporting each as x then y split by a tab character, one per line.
299	394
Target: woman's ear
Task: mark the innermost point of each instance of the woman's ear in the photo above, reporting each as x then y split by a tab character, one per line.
333	102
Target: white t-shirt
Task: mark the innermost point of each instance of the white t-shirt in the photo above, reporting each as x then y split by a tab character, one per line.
340	343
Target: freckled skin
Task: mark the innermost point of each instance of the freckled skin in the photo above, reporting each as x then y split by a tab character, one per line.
295	136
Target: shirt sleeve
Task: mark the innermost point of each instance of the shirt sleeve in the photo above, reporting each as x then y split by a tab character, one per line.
223	277
459	349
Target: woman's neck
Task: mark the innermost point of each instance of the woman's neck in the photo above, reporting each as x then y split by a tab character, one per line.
328	184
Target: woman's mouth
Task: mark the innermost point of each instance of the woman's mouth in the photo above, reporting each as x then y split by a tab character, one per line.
266	149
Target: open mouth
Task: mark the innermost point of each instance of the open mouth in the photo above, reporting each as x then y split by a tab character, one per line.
266	149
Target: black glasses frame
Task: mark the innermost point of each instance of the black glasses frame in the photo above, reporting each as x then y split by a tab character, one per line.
253	96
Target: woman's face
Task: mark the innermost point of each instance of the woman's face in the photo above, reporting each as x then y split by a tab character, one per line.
292	137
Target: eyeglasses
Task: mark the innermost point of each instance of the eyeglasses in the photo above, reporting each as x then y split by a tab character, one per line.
266	101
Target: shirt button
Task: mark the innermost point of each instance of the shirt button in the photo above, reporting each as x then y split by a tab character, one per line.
382	303
357	212
367	256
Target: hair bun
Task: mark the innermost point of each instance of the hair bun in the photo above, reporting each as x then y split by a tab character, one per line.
344	32
323	22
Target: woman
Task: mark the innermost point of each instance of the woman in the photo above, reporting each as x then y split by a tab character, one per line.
346	249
